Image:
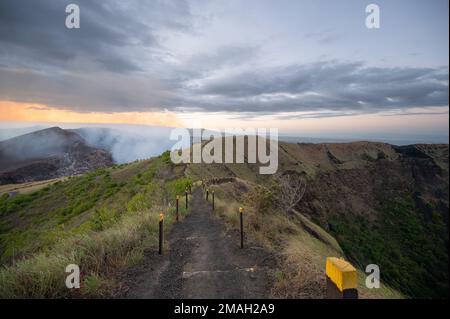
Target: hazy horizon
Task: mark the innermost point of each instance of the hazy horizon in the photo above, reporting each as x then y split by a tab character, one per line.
12	129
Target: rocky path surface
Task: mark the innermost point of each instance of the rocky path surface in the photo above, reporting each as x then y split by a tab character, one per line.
202	260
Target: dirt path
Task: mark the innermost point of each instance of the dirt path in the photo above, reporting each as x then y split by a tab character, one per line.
202	260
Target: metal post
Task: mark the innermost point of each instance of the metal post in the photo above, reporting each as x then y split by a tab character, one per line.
177	214
241	218
161	233
207	194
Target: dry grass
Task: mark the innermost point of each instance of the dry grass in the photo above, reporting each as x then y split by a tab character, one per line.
98	255
299	279
302	247
27	188
301	274
300	270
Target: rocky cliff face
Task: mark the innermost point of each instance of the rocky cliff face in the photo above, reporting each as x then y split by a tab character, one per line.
47	154
385	205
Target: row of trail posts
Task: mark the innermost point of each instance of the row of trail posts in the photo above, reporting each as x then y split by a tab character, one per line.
241	212
177	217
213	198
341	276
207	196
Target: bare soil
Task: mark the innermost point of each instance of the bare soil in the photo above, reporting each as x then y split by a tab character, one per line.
202	260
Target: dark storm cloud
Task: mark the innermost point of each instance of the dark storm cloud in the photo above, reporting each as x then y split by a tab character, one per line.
106	92
327	86
116	62
94	68
34	32
200	66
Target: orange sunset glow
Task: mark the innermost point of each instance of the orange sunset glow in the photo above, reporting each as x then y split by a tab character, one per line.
13	111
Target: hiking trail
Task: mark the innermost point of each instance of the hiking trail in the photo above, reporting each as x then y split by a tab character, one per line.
202	260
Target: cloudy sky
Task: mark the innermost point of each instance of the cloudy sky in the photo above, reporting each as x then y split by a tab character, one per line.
308	67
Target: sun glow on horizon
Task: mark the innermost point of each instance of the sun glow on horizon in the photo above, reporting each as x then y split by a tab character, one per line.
417	121
28	112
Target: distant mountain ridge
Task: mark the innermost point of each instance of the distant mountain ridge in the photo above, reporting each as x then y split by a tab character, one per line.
46	154
8	133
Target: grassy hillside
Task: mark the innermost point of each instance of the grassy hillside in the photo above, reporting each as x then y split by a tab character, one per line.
384	205
393	212
101	221
409	249
301	246
368	202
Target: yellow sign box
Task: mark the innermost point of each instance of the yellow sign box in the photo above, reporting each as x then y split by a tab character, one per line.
342	273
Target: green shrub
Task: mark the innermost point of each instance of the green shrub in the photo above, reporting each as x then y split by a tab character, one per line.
18	202
102	219
177	186
139	202
165	157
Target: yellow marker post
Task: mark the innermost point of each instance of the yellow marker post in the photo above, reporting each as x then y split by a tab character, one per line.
241	220
177	206
342	279
161	233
